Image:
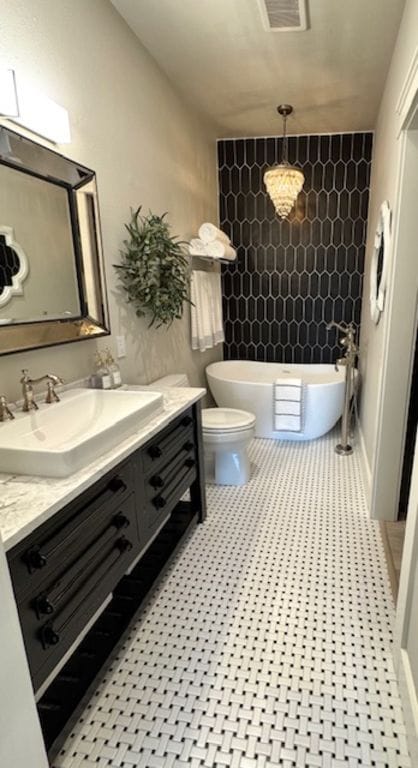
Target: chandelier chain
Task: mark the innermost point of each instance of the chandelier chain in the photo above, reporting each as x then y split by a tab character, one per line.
284	151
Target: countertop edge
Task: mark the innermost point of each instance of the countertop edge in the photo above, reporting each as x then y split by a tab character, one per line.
99	467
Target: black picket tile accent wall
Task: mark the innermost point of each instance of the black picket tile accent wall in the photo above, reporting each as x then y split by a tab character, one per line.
293	276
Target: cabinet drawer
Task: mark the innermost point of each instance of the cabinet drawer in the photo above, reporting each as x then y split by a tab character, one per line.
52	619
168	442
118	524
160	503
157	479
54	545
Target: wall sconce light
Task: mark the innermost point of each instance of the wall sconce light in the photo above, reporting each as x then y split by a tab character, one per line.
284	181
29	107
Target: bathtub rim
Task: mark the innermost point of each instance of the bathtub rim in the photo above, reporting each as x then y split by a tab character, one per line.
339	379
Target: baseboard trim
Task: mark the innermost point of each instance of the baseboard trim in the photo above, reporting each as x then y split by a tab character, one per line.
367	473
409	701
393	577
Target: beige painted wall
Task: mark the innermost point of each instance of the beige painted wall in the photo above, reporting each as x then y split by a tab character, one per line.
146	145
385	169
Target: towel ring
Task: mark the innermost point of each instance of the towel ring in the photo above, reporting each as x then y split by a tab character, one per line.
379	267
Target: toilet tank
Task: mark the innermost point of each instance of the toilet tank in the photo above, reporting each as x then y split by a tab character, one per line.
173	380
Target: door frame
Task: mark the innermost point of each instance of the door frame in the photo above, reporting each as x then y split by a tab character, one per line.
390	447
398	343
407	688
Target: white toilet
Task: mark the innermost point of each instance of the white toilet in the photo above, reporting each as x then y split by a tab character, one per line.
227	433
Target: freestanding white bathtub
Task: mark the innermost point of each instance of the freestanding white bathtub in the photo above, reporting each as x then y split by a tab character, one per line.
249	385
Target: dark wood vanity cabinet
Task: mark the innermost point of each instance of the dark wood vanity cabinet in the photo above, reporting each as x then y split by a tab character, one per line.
64	571
169	467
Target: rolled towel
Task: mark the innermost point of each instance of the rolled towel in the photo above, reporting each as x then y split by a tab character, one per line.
197	247
208	233
218	250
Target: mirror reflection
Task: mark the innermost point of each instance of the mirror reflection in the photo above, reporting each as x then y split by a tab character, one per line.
37	213
51	265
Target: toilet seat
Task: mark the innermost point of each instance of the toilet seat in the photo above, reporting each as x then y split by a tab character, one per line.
231	420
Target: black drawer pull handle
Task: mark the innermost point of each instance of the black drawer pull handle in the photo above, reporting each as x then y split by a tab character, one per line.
121	521
189	463
186	421
117	484
49	706
49	636
188	445
156	481
155	452
44	606
159	502
35	559
50	633
123	545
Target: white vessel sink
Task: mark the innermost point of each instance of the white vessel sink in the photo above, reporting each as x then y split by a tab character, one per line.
60	439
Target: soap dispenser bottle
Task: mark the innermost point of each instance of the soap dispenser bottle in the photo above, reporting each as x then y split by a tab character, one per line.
101	378
113	369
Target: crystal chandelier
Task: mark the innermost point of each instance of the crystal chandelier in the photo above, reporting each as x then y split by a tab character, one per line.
284	182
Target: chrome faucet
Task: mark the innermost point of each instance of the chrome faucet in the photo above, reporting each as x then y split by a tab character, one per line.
5	412
27	383
344	328
346	341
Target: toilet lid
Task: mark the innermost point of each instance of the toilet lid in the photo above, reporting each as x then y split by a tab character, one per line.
216	419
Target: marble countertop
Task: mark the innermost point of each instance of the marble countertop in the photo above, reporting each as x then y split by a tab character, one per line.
26	501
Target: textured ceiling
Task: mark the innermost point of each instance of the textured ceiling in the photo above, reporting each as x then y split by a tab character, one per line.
219	55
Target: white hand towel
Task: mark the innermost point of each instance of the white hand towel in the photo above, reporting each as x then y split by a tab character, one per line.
288	404
284	392
287	423
216	297
208	233
289	381
220	250
206	310
288	407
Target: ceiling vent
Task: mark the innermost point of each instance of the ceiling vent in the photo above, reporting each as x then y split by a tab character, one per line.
284	15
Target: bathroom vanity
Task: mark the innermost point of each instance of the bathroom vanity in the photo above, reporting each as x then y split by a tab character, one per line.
83	551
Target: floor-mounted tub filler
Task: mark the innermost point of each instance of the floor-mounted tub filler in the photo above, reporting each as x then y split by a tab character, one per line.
348	361
249	386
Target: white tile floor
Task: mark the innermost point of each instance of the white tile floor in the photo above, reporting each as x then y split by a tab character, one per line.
268	641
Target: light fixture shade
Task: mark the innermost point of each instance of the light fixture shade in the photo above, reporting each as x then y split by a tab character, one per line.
283	183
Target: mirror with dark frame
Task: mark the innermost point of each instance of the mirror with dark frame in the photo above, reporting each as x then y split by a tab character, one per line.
52	286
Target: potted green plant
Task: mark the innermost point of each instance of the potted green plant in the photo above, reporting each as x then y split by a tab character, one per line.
154	270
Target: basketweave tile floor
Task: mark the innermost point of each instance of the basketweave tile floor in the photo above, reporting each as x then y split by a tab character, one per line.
268	642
